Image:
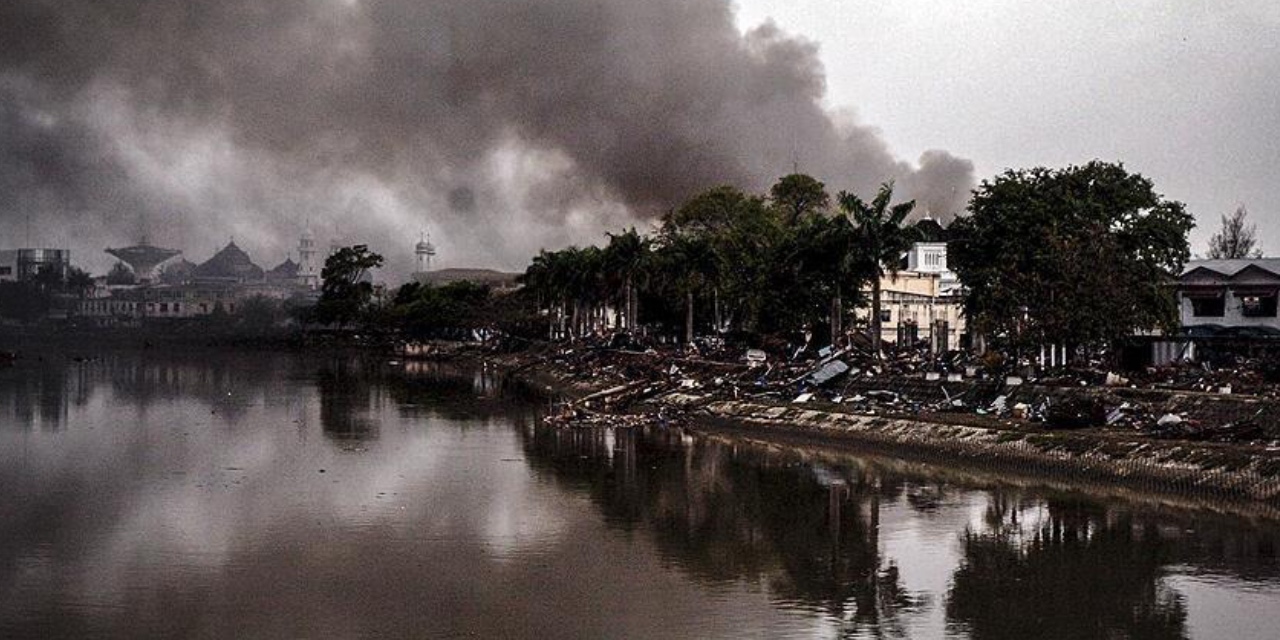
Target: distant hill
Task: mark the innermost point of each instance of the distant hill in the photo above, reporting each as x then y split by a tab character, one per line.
495	279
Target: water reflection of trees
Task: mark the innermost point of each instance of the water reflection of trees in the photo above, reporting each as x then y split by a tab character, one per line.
725	514
347	397
1068	569
452	392
38	397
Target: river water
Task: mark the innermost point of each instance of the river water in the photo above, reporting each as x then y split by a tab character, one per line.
217	495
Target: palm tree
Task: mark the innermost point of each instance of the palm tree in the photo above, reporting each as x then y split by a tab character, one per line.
883	238
79	281
624	259
538	277
833	243
687	264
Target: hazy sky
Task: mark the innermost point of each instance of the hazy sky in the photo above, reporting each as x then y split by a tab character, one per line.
1184	92
505	126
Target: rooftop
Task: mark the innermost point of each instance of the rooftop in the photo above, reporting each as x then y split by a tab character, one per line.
1234	266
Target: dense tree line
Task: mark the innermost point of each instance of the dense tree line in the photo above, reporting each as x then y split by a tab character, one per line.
1081	256
726	260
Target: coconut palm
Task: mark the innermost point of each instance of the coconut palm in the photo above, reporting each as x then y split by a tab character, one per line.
624	261
883	239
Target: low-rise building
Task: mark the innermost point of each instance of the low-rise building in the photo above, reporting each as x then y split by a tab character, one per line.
131	305
9	265
184	290
1219	295
923	301
20	265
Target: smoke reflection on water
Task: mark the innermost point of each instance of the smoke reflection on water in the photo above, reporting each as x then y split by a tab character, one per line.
261	495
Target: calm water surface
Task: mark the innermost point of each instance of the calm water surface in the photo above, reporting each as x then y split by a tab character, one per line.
216	495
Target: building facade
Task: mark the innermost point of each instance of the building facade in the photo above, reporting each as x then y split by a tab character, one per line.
1217	295
923	301
21	265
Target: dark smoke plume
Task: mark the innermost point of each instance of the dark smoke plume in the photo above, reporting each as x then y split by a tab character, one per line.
498	125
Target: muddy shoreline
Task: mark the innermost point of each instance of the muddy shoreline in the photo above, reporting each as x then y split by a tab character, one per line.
1229	478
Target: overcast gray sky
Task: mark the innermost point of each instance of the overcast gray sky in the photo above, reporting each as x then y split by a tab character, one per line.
506	126
1184	92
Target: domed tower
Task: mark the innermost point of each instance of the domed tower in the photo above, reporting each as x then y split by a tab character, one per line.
424	251
308	272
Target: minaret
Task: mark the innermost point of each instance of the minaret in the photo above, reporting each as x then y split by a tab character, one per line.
308	274
424	250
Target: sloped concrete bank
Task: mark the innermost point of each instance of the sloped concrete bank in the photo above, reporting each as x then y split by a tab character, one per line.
1225	478
1240	479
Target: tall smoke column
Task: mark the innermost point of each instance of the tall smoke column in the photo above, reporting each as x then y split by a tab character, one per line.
505	124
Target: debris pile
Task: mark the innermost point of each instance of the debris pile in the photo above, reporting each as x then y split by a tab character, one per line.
1189	402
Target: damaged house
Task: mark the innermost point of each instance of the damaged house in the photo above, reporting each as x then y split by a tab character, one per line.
1230	297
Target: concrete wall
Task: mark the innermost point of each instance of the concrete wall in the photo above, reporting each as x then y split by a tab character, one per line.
1232	314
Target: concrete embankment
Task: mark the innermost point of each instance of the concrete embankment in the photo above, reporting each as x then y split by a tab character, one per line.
1221	477
1225	477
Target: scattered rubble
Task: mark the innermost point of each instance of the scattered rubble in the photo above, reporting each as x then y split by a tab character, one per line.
1237	404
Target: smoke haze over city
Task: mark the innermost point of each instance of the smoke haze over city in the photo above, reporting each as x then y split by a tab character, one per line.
498	126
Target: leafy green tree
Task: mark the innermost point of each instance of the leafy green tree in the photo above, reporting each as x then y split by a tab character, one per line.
79	281
49	280
799	195
1236	239
260	313
930	230
121	275
424	311
345	293
883	238
744	235
687	264
23	301
827	267
1077	256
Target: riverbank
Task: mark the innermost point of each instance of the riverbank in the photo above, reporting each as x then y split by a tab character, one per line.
1234	477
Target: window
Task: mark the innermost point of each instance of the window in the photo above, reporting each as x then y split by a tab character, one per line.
6	271
164	307
176	307
1263	306
1208	307
886	315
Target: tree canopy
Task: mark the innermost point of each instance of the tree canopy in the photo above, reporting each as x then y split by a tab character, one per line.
1080	255
344	292
723	260
798	195
883	237
1236	239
